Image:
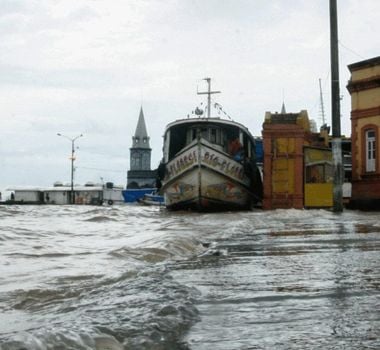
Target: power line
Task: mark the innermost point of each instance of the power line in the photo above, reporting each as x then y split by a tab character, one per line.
352	51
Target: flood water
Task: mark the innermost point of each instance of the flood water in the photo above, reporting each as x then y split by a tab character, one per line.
131	277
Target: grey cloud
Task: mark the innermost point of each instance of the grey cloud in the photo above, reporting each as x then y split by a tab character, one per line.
84	13
12	7
63	78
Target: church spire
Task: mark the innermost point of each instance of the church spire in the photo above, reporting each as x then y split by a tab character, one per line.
283	110
141	138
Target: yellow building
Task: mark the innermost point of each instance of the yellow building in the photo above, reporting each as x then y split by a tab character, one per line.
364	87
318	177
297	163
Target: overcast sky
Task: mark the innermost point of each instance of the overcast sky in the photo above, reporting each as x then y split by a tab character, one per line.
86	66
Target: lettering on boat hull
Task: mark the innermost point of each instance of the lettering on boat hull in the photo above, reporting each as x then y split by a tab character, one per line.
215	179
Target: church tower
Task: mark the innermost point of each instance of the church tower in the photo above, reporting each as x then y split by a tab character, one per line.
140	174
140	150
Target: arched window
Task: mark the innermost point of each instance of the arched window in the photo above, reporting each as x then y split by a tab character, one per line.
370	142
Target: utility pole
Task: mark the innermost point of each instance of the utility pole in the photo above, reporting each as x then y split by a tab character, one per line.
208	93
72	140
335	111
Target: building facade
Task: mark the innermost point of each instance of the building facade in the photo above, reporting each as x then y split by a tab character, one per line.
364	87
59	194
140	174
293	173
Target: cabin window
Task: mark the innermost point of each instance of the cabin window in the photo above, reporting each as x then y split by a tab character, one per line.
204	133
177	141
249	149
319	173
370	150
216	136
191	135
213	135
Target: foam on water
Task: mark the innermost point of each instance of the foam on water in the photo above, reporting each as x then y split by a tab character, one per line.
92	279
131	277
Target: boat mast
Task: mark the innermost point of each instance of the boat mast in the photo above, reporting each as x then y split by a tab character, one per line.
208	93
321	101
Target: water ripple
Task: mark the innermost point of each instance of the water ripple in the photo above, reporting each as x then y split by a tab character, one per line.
131	277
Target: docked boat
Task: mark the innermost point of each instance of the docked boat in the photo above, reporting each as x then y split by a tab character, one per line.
152	199
209	163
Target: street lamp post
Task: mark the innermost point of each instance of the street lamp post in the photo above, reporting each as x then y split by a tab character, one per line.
72	140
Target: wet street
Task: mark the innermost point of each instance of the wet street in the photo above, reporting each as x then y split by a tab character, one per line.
131	277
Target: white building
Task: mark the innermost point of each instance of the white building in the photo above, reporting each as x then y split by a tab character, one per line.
60	194
28	195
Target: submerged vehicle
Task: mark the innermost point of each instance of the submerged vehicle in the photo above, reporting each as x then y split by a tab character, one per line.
209	163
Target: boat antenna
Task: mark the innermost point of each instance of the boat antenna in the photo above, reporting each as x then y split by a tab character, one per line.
321	101
217	105
208	93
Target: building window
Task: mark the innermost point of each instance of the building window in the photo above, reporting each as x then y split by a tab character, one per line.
370	139
145	162
135	159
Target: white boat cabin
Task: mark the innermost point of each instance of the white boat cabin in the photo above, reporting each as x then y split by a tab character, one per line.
218	132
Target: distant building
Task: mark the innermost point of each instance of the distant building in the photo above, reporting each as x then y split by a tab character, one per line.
91	194
28	195
140	174
88	194
364	87
297	162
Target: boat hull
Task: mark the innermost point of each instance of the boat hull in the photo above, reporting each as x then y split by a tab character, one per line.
152	199
133	195
205	179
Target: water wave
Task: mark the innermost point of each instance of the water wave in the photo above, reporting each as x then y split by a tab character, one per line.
151	311
100	218
130	277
